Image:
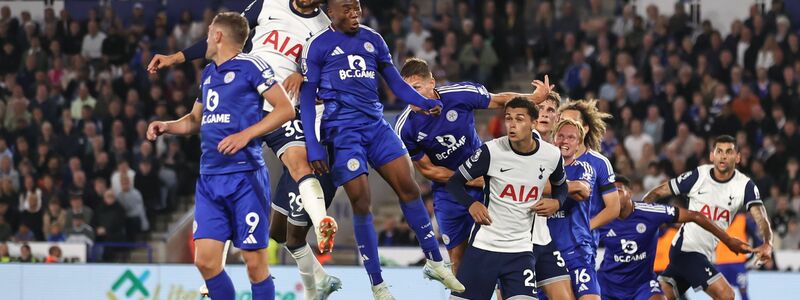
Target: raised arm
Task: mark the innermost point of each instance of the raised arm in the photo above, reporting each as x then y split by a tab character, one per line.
404	91
538	95
186	125
734	244
659	192
198	49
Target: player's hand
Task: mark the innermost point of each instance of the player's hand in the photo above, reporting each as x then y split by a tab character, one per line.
763	254
479	213
737	246
435	111
233	143
156	129
543	88
162	61
320	167
546	207
292	85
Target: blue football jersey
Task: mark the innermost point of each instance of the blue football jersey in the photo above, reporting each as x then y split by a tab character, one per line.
232	102
449	139
346	67
569	227
631	243
604	184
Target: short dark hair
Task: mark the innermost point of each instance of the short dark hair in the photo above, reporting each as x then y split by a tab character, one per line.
235	24
623	180
415	67
724	139
522	102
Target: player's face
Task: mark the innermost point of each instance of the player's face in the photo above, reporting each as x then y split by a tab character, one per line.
518	124
424	86
214	36
345	15
725	157
548	117
624	195
567	140
307	3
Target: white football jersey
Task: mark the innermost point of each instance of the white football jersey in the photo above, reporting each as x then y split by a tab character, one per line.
280	35
719	201
515	182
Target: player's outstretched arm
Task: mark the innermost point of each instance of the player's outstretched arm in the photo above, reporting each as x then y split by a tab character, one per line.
734	244
659	192
186	125
764	251
543	88
405	91
281	113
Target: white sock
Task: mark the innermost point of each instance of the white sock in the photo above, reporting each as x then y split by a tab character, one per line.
313	200
305	264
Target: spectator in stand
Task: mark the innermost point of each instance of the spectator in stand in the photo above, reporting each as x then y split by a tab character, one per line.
5	257
80	232
24	234
30	207
25	255
635	142
55	233
393	234
791	241
5	230
53	255
783	213
477	60
123	169
132	200
77	208
55	215
149	185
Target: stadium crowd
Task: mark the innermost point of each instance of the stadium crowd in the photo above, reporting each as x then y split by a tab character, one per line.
75	99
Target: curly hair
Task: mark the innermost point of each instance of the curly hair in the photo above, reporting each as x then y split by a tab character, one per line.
590	117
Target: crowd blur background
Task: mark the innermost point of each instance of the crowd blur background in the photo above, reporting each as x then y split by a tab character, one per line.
75	99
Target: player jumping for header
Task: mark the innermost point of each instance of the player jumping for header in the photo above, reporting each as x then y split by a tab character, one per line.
512	213
279	31
341	64
232	198
717	191
439	144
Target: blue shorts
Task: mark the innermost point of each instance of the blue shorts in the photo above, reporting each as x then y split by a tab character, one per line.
288	202
689	269
290	134
736	274
583	276
550	265
616	291
482	270
233	207
354	147
454	219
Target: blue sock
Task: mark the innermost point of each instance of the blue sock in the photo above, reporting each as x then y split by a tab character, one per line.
367	241
220	287
264	289
417	217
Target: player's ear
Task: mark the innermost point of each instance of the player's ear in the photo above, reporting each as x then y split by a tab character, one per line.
738	157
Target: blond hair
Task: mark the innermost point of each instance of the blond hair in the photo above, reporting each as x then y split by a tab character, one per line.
592	118
567	122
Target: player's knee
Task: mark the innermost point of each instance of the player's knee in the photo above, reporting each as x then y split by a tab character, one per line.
361	207
408	192
208	267
726	294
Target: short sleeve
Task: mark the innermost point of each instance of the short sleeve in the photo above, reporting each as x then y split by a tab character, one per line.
751	195
658	213
405	131
477	165
480	98
259	74
605	176
682	184
252	11
384	55
586	172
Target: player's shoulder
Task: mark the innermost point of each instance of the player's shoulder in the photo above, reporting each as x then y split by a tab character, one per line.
458	88
548	149
404	120
654	208
369	31
251	62
320	38
585	167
